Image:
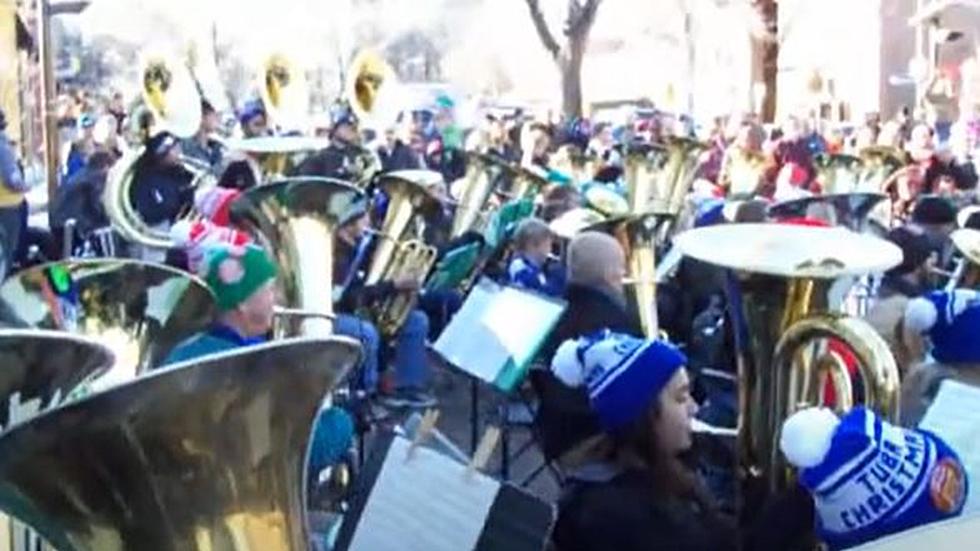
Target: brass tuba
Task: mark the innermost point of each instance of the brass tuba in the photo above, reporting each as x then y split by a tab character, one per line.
474	192
284	93
295	220
368	87
171	96
138	310
790	337
658	179
204	455
399	249
850	193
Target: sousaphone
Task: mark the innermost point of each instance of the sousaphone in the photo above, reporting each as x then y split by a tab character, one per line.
790	337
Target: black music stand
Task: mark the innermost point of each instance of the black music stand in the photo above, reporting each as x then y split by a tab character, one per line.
493	340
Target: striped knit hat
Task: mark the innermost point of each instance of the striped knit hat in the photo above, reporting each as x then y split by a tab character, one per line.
950	319
623	374
870	478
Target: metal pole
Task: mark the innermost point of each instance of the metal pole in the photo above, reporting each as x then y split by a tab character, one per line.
48	95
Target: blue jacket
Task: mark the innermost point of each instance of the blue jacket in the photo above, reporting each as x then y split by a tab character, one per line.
219	338
523	272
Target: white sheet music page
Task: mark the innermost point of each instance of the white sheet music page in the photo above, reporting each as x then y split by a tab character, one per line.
516	319
424	504
955	416
474	351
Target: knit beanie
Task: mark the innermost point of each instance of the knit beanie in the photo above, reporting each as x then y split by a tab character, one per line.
215	204
200	237
161	143
622	374
934	210
951	320
869	478
236	273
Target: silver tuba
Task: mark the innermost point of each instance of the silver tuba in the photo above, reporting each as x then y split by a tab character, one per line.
137	309
204	455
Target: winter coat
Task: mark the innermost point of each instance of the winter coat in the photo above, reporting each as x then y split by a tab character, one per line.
589	310
624	513
80	198
160	193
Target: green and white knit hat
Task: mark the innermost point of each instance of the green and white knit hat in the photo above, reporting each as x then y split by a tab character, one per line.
236	273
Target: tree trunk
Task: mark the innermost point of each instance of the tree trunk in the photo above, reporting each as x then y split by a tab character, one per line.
769	10
570	67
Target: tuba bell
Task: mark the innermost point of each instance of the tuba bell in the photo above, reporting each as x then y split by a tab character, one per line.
657	179
399	249
171	96
295	219
370	88
966	262
284	93
790	338
850	193
204	455
139	310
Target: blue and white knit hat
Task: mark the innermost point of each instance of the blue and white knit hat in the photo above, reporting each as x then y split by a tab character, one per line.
870	478
951	320
623	374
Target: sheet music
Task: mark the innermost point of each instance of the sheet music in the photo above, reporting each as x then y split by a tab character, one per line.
473	351
495	327
424	504
955	416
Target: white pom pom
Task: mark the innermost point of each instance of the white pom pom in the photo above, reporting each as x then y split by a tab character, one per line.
920	315
807	435
566	365
180	232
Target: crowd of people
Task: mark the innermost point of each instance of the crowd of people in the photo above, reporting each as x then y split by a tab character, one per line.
615	404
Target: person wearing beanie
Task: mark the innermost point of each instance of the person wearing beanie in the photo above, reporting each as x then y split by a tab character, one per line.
951	321
199	237
641	494
353	248
161	188
202	145
253	119
869	478
242	279
340	159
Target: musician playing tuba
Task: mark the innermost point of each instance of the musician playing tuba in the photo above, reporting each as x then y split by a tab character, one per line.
202	146
352	247
342	159
245	172
162	187
243	282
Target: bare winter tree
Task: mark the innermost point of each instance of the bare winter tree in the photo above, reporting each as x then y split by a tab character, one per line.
568	53
766	43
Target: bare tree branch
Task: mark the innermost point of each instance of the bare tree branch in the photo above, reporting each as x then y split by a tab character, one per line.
541	26
580	16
